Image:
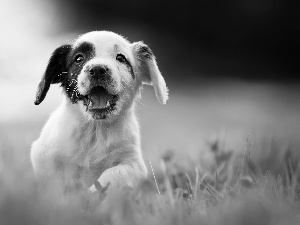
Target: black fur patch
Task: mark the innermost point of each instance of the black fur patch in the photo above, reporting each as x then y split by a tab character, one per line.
129	67
131	71
145	51
74	69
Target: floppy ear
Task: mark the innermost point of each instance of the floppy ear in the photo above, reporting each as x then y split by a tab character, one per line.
149	71
56	65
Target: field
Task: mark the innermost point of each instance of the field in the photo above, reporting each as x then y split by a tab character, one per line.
236	175
235	190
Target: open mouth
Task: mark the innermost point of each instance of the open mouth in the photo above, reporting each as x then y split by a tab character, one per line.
100	102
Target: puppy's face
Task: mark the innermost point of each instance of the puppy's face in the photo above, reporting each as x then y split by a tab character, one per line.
102	65
101	73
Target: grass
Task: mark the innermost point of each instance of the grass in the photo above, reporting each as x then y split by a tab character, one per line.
259	186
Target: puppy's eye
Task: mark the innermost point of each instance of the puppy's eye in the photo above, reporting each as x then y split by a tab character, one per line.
121	58
79	58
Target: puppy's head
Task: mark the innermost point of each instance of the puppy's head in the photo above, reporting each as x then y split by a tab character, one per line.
101	72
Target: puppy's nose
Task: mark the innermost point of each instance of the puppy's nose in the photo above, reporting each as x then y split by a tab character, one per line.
98	72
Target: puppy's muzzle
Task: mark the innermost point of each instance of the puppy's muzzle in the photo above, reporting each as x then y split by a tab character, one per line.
99	73
100	94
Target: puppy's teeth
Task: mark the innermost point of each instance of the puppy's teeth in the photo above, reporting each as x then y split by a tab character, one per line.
107	104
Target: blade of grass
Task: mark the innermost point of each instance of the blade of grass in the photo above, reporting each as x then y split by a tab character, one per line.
154	177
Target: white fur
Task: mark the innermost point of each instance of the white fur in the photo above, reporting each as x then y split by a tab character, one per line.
75	149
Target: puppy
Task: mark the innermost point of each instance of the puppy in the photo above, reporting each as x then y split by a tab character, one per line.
94	134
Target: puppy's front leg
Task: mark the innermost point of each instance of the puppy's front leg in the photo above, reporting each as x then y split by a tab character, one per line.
129	174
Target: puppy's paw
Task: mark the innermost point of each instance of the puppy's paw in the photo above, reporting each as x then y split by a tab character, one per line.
99	188
92	189
96	187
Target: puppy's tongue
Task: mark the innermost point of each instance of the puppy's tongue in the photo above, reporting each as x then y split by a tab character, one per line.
99	97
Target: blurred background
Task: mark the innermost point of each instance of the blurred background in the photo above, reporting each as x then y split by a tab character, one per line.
232	67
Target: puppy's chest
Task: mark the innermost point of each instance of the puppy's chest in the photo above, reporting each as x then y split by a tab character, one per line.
88	150
85	153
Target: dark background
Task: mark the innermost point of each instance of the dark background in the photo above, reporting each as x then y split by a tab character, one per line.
248	39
